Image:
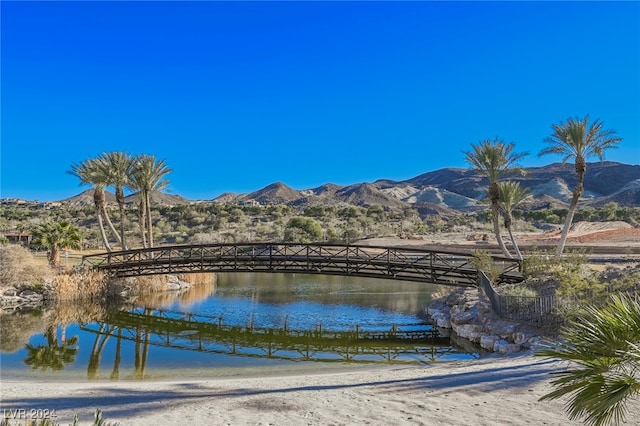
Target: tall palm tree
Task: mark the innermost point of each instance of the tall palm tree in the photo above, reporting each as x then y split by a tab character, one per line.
117	167
494	159
602	347
148	176
511	196
578	139
90	172
56	236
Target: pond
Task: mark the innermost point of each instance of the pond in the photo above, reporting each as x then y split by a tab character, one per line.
235	324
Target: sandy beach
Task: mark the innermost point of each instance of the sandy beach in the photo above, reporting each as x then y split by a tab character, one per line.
489	391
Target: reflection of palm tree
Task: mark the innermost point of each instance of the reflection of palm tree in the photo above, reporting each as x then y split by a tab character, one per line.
115	373
96	351
52	355
142	350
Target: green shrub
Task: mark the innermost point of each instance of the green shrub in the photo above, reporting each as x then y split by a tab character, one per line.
483	261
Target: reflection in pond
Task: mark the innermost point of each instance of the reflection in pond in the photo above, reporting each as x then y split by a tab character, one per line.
417	343
54	354
235	323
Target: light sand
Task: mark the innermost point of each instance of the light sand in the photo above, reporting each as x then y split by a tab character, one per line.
490	391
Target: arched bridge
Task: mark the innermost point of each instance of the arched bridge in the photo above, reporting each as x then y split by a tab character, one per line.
409	264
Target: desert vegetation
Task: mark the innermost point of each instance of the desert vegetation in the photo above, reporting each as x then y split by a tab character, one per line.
602	347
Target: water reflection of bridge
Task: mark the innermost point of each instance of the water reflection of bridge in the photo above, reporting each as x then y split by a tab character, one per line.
410	264
413	344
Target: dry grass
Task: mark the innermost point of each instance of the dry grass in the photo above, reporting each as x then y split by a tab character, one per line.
18	267
84	285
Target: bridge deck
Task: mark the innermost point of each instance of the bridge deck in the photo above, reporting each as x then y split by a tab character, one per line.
410	264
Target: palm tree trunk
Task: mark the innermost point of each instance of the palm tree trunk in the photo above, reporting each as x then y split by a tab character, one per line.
581	168
495	212
110	223
515	244
142	214
149	221
54	256
97	202
120	200
569	219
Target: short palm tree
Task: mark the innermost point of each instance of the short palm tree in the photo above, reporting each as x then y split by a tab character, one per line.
57	236
117	167
494	159
512	195
578	139
148	176
603	348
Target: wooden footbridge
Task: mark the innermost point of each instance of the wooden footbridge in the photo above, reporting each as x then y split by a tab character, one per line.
408	264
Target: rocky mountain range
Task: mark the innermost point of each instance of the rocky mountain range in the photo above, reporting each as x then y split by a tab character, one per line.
444	191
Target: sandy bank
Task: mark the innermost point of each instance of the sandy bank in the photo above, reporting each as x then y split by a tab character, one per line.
490	391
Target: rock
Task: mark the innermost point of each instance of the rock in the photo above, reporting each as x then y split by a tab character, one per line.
488	341
436	306
442	320
504	347
462	317
10	291
534	343
519	337
503	329
469	331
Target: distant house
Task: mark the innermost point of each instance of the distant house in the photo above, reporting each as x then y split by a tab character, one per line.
249	203
23	238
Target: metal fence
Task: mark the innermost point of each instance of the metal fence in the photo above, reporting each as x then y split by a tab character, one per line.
537	310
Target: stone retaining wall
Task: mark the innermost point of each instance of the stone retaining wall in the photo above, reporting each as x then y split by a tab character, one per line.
469	314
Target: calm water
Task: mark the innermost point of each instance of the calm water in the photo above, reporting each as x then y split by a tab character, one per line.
240	324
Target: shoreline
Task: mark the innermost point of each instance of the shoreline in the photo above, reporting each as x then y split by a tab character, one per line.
486	391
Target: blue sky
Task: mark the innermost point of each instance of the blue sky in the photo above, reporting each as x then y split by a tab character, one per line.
238	95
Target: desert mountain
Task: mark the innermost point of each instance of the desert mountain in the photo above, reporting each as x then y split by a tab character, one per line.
159	198
441	191
85	198
276	193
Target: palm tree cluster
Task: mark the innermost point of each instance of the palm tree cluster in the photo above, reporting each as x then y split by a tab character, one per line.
573	138
141	173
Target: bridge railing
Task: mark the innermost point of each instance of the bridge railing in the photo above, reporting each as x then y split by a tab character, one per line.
412	264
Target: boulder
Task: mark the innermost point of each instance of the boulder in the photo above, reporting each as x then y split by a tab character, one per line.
488	341
469	331
504	347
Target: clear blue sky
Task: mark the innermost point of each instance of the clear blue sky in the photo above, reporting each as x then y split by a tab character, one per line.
238	95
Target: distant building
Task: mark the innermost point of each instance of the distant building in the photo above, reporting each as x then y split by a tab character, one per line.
23	238
249	203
